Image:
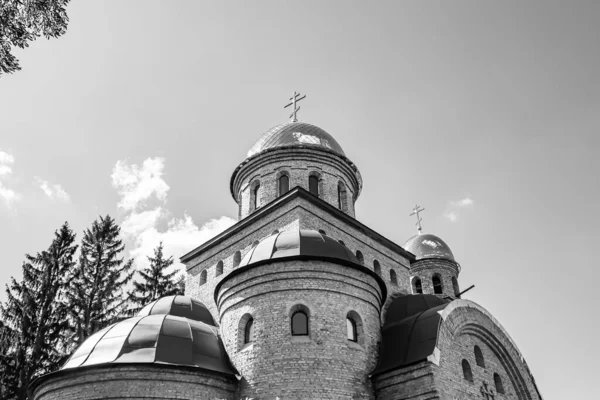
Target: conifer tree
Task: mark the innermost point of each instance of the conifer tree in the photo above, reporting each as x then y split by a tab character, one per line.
97	293
34	315
156	282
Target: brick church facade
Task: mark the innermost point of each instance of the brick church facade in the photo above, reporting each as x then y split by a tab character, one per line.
300	300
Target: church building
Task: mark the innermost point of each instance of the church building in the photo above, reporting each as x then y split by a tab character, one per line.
300	300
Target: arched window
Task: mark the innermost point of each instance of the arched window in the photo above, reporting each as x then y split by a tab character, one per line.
219	269
498	383
455	287
479	357
417	285
351	329
237	258
437	284
255	196
299	324
393	277
313	184
284	184
249	331
342	196
377	267
361	258
467	373
322	232
203	278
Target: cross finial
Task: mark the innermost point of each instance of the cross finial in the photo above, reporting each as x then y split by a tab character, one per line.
294	99
488	394
416	212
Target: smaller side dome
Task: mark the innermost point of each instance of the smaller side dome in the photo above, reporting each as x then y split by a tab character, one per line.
427	245
298	243
150	339
179	306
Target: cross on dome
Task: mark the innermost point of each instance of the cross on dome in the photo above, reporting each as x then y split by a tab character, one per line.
416	212
294	99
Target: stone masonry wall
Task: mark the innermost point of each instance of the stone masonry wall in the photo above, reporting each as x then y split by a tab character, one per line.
298	164
425	269
137	382
468	325
323	365
415	382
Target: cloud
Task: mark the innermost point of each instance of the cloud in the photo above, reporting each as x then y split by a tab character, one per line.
53	191
145	226
8	195
135	185
452	216
452	213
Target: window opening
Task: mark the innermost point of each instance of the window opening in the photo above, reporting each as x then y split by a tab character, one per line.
203	277
219	269
498	383
418	286
479	357
313	185
393	277
249	331
299	324
377	267
467	373
437	284
284	184
351	330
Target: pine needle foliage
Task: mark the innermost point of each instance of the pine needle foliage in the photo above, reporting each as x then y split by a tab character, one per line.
155	281
34	316
97	293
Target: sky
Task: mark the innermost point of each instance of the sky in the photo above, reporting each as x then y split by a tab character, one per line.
484	113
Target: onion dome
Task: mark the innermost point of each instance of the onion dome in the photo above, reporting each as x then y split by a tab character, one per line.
180	306
295	134
158	338
410	331
307	243
427	245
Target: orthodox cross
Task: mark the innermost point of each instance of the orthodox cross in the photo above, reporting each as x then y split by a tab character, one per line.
416	212
294	99
487	393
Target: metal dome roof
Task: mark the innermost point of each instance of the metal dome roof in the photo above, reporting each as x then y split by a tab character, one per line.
180	306
295	133
427	245
298	243
155	339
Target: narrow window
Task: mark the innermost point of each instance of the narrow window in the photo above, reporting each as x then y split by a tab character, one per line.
361	258
313	185
322	232
351	329
219	269
237	258
249	331
284	184
393	277
299	324
455	287
417	286
203	278
341	242
498	383
467	374
437	284
255	196
377	267
479	357
342	196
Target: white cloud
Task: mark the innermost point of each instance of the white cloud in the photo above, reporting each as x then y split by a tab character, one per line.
467	201
136	185
7	194
452	216
6	158
53	191
145	226
452	213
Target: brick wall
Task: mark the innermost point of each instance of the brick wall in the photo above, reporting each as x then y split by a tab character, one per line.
154	381
323	365
415	382
425	269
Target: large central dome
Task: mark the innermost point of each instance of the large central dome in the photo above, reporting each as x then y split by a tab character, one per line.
295	133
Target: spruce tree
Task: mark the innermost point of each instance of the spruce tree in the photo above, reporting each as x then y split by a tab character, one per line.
97	293
155	282
34	315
